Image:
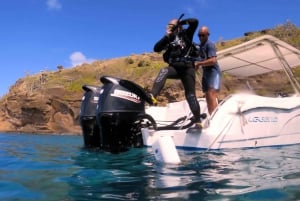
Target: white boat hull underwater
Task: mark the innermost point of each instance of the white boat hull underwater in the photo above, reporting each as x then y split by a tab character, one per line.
241	120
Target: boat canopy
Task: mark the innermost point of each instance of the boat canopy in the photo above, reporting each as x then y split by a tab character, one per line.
259	56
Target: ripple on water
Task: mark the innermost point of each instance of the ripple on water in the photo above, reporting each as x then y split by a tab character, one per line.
34	167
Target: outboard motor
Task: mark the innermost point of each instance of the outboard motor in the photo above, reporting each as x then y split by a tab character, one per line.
87	116
120	108
111	116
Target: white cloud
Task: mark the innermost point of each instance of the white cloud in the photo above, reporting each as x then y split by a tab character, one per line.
77	58
54	4
192	7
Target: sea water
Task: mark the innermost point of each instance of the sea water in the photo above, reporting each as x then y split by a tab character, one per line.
57	168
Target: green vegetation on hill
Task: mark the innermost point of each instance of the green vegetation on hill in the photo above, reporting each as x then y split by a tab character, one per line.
139	68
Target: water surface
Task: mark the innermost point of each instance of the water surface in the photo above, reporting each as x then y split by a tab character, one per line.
53	167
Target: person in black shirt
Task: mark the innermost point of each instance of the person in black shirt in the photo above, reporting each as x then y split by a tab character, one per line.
178	44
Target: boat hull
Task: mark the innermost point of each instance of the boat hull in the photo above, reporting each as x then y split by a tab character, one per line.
240	121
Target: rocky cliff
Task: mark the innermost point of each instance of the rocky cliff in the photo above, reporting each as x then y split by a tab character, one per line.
49	102
39	111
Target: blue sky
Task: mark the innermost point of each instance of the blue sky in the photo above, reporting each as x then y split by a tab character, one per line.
39	35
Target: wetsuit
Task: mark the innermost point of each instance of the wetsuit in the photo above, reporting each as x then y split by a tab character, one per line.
177	48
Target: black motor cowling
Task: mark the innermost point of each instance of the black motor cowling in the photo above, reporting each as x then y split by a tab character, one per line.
89	126
117	116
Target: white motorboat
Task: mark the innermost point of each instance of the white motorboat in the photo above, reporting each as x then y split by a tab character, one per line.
242	120
114	117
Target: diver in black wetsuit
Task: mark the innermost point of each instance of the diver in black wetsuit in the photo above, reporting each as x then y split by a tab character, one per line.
178	46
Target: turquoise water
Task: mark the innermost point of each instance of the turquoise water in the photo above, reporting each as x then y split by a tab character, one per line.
56	168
